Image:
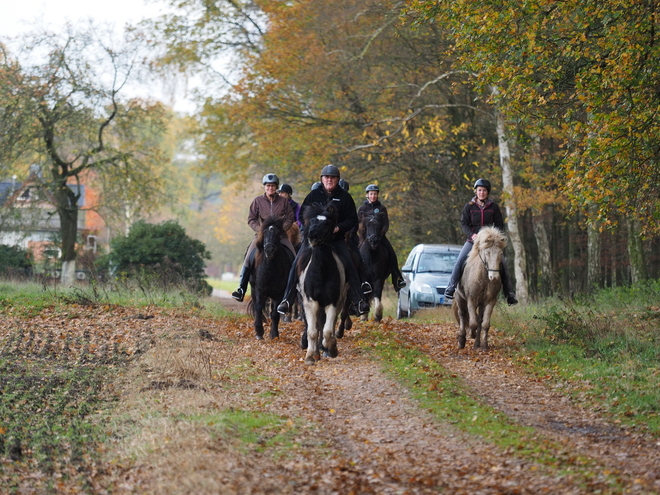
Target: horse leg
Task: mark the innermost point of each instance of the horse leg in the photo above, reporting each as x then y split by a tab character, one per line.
473	321
485	324
258	317
274	320
329	339
460	314
313	354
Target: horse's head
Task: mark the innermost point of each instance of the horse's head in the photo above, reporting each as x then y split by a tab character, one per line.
371	229
489	245
320	223
270	235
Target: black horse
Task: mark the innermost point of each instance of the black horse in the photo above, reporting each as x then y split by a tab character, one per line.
375	259
322	283
268	279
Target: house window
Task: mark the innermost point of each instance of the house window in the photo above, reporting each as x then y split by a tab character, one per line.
25	195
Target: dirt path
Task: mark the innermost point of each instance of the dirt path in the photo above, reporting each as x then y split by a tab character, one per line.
362	432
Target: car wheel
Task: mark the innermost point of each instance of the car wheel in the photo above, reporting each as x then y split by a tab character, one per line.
399	312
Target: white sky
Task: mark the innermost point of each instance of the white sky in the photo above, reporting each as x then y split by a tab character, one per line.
18	16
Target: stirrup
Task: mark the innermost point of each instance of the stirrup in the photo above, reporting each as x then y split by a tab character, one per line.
511	299
284	307
449	292
366	288
238	294
363	307
400	284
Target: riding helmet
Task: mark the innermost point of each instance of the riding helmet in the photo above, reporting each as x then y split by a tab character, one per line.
270	179
372	187
330	171
344	185
285	188
482	183
316	185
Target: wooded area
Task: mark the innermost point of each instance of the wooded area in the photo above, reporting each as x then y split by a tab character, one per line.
555	104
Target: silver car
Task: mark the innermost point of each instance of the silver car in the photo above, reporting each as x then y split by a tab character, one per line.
426	272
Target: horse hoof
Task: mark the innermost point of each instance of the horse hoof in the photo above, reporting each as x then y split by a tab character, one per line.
349	324
260	337
310	361
461	343
332	353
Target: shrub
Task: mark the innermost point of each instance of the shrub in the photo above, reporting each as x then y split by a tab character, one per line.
14	261
163	250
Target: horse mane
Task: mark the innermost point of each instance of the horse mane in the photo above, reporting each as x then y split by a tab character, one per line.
316	209
486	238
294	234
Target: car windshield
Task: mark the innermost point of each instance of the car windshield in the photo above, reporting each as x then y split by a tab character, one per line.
437	262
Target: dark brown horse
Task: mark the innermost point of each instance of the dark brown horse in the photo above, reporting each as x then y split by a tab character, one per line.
479	287
375	259
268	278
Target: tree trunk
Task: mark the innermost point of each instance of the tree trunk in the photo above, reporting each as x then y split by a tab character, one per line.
540	232
636	253
67	210
520	261
593	252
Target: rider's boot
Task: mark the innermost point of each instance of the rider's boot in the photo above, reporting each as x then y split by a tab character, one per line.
244	278
449	292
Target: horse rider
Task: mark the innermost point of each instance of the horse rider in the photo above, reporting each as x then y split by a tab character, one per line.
287	191
266	205
480	211
330	190
370	207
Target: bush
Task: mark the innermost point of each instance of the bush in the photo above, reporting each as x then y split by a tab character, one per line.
164	250
14	261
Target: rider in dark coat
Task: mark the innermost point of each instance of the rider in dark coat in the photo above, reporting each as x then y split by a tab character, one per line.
479	212
372	206
330	190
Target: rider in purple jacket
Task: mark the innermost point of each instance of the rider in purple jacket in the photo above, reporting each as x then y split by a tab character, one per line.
479	212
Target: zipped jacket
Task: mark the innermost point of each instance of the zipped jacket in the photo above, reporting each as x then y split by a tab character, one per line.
474	217
344	202
262	208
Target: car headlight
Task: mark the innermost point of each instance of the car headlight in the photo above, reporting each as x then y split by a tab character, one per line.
421	288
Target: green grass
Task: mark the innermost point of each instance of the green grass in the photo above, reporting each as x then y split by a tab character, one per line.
604	349
29	299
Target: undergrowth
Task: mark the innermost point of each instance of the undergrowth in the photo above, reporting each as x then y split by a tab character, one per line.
604	348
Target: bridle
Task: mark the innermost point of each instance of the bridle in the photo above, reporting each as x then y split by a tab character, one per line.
485	263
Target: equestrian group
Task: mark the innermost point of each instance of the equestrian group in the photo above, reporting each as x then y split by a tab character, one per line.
343	259
324	272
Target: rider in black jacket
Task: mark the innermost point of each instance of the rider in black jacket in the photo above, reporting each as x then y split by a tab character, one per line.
477	213
330	190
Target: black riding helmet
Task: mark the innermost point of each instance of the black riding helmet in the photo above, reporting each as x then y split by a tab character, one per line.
344	185
330	171
482	183
270	179
285	188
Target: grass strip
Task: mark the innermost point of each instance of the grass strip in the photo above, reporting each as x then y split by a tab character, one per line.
441	392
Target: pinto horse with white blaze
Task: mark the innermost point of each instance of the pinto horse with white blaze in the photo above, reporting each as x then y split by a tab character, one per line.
479	287
375	259
268	278
322	282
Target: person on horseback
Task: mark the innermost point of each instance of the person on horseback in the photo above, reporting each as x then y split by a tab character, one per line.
268	204
287	191
372	206
477	213
330	190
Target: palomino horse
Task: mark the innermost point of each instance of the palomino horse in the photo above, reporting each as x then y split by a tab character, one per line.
268	278
375	259
322	283
479	287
